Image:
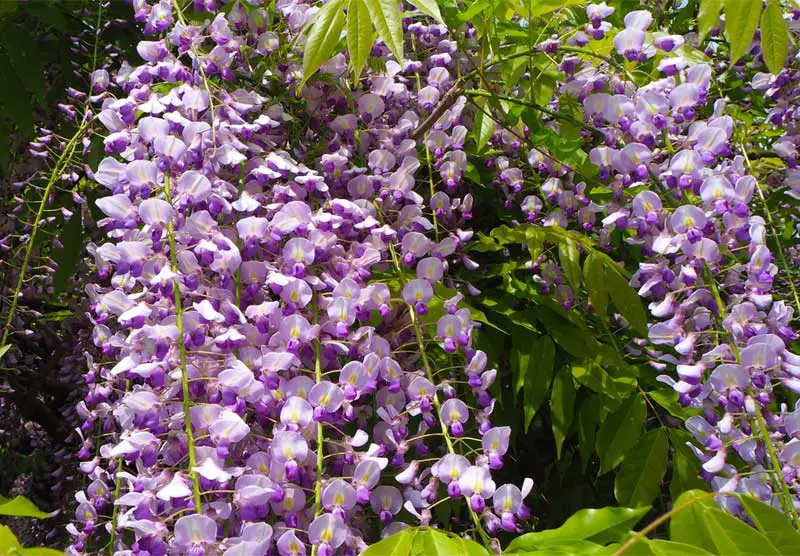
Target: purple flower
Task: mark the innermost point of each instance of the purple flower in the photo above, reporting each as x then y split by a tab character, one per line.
194	534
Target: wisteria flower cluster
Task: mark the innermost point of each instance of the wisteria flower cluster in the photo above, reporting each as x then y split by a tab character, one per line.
684	196
269	317
285	354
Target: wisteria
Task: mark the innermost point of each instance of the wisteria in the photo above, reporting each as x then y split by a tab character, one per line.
264	313
684	195
343	261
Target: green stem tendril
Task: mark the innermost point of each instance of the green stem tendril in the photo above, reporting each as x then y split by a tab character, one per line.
320	457
61	164
184	378
430	375
117	488
776	476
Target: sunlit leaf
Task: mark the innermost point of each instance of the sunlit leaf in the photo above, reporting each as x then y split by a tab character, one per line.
539	375
741	20
359	35
388	20
428	7
21	507
600	526
709	16
323	35
774	37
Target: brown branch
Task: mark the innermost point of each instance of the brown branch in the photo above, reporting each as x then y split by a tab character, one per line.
446	102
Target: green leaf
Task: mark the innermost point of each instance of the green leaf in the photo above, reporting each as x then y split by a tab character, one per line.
521	350
774	37
668	399
592	375
647	547
600	526
703	525
359	36
484	124
21	507
4	349
538	376
626	300
772	524
535	242
40	551
619	432
8	540
594	274
387	19
567	548
438	543
415	541
7	8
323	35
741	20
428	7
639	480
708	16
589	416
469	547
399	544
569	258
543	7
562	404
71	238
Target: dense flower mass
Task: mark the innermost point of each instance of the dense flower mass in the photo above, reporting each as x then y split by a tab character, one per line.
284	357
684	196
268	314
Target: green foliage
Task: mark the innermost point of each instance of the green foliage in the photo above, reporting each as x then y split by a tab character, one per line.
774	37
626	300
323	35
597	289
704	525
598	526
538	375
620	432
562	403
415	541
387	19
708	16
10	546
741	20
696	526
359	35
773	524
639	479
20	507
428	7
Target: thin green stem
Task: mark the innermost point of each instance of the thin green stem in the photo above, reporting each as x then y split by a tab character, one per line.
61	164
639	535
55	175
117	488
187	403
427	156
774	231
776	476
429	373
320	456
